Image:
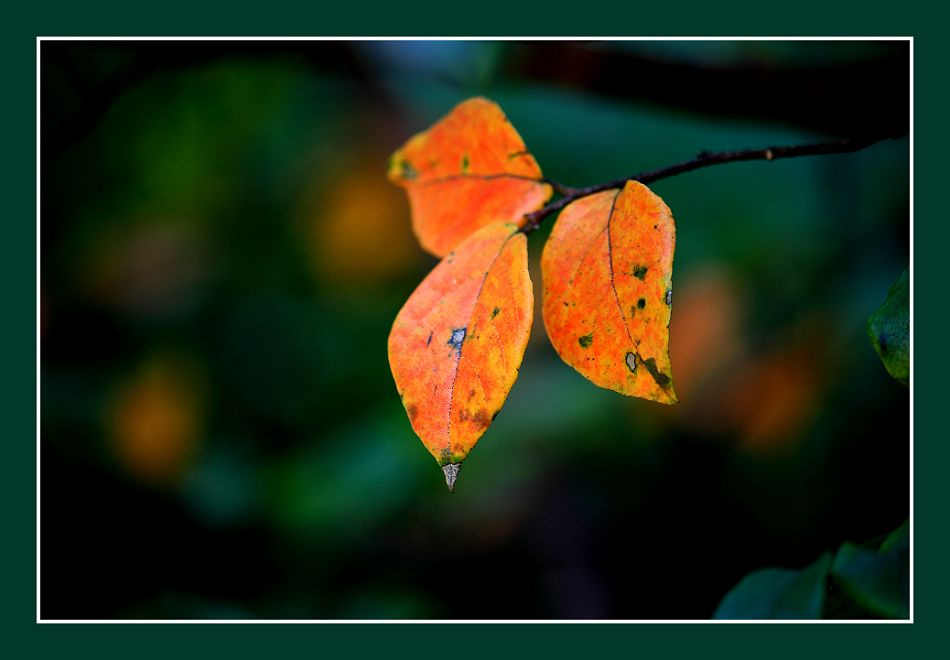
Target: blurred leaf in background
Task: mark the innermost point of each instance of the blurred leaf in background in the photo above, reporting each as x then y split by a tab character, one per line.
889	330
857	583
222	259
776	593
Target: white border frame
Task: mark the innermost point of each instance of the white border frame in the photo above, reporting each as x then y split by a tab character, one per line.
39	619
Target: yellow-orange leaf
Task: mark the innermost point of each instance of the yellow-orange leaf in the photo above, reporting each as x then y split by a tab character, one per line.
469	170
607	270
456	345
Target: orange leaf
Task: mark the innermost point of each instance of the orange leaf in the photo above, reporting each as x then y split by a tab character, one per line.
457	343
607	270
469	170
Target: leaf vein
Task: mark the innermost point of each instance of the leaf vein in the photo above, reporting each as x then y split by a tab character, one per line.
448	428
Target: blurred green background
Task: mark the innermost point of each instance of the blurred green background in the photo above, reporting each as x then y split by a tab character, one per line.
222	258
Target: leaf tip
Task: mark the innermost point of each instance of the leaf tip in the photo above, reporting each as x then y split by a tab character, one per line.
451	471
666	394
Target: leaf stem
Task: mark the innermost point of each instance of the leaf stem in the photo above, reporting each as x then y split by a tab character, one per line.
704	159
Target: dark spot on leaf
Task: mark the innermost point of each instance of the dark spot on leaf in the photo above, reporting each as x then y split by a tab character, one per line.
495	311
661	379
565	303
429	340
408	171
633	311
481	419
639	272
464	163
455	341
669	296
471	394
882	342
586	340
654	226
412	411
631	361
641	303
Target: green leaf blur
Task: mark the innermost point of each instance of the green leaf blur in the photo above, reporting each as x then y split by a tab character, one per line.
889	330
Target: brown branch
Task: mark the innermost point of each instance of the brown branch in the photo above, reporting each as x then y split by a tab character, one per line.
704	159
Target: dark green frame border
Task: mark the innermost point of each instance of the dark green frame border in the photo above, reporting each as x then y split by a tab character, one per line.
174	17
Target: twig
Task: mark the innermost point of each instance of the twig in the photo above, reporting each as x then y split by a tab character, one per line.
704	159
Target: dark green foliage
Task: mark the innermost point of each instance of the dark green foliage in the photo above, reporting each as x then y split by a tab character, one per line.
889	330
778	593
876	581
860	582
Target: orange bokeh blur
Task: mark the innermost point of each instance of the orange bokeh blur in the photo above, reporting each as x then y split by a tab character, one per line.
358	226
155	419
762	396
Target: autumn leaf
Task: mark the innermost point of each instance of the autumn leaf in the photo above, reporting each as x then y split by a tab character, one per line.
607	271
457	343
469	170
